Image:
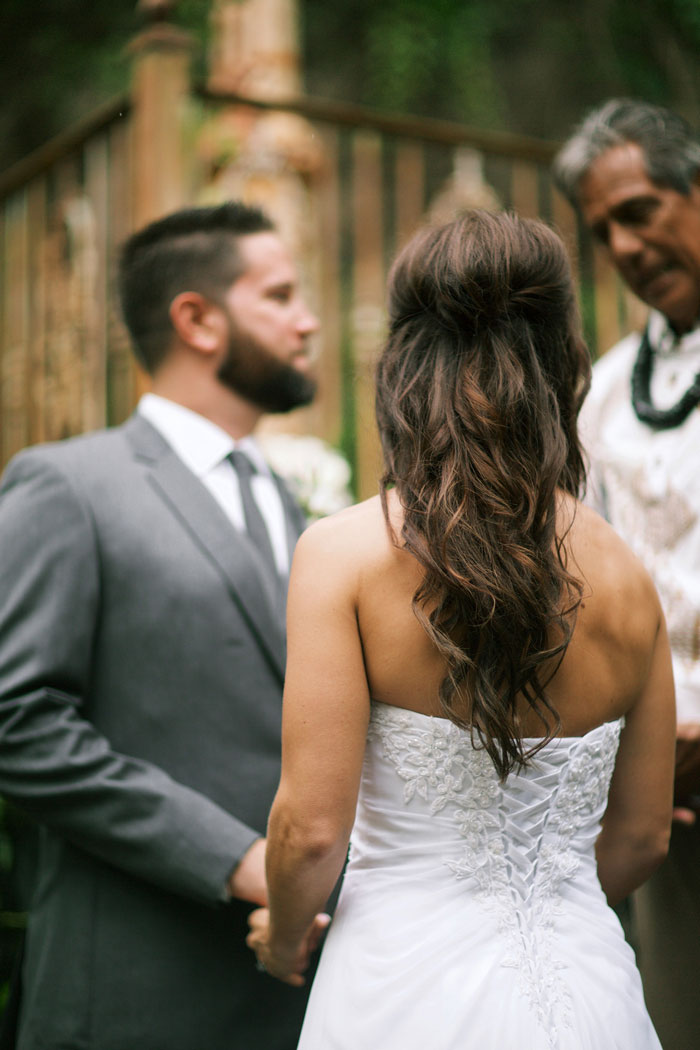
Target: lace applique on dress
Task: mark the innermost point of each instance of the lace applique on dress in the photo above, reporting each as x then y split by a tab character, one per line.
517	837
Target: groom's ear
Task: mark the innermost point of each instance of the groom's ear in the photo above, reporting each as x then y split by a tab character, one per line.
199	323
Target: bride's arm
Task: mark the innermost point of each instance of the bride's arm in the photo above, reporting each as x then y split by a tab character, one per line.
637	822
324	725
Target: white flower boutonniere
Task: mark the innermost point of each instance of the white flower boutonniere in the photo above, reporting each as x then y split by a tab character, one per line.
317	474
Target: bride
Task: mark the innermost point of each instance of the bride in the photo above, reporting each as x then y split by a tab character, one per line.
478	688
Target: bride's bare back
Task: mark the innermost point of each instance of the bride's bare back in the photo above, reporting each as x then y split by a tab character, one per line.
354	638
607	660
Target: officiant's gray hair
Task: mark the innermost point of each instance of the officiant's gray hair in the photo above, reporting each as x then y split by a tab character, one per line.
670	146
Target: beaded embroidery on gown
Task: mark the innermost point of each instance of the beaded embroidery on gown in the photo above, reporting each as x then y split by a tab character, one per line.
471	915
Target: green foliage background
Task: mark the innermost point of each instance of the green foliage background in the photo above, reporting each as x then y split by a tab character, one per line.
527	66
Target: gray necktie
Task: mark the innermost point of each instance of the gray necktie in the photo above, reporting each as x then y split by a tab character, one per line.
254	521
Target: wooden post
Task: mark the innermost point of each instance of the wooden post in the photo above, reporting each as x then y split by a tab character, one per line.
524	188
410	189
275	161
14	371
326	279
160	94
369	320
564	221
160	91
255	48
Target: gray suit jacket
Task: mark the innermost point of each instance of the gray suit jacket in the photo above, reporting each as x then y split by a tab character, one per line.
141	667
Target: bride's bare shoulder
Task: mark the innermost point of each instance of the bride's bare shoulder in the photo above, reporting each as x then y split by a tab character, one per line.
351	537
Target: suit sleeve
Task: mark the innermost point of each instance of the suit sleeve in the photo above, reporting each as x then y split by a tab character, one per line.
53	761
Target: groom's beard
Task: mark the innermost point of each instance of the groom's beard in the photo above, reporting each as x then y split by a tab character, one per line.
251	371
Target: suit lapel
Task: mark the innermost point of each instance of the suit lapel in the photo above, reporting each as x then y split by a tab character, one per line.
233	554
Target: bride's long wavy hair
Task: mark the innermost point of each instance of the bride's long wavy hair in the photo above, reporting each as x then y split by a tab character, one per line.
478	392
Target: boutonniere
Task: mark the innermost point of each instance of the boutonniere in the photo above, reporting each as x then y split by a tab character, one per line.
317	474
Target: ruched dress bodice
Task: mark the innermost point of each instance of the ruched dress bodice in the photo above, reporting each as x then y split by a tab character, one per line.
471	914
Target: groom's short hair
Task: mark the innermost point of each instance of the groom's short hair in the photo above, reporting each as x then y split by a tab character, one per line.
191	250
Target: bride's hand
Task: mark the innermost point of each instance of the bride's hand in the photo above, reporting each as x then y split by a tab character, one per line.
285	963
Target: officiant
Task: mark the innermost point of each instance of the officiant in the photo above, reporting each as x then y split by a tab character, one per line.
633	171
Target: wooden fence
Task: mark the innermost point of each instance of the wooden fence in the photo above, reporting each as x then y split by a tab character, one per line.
359	181
64	358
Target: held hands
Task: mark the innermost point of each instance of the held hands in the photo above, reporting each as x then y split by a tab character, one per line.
287	965
687	782
248	883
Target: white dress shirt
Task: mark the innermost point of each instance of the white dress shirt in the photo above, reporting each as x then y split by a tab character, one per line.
646	482
204	447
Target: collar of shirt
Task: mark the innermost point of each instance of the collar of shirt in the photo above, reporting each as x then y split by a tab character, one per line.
666	342
203	447
199	443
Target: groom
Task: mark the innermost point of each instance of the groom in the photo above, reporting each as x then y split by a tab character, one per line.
142	576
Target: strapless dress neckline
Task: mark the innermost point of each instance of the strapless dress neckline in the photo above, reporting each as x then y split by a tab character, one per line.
556	740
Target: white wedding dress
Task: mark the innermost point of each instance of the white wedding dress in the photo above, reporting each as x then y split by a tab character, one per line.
471	915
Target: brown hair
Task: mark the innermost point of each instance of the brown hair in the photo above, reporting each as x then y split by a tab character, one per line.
191	250
478	391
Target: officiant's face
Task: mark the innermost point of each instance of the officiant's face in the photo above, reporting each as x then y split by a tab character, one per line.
270	326
651	232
